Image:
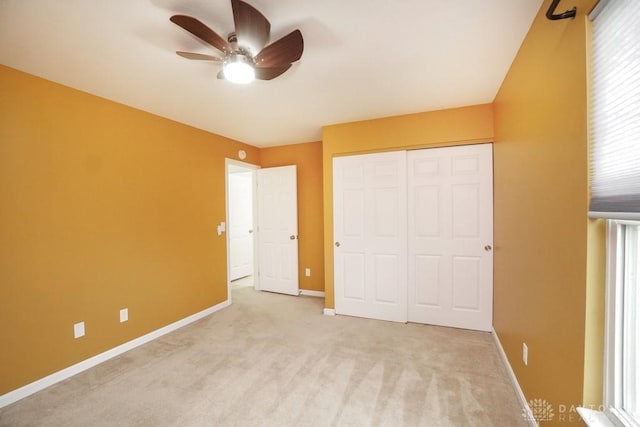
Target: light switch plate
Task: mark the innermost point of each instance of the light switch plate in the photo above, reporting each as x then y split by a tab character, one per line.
124	315
221	228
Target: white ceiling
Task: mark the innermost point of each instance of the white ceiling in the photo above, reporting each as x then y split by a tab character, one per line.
363	59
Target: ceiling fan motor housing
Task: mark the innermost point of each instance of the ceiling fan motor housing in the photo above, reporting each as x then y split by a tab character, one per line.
238	57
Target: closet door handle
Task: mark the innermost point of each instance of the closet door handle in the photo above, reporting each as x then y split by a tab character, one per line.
337	244
487	248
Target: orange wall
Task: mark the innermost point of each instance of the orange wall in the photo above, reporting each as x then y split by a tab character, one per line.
103	207
308	158
437	128
541	196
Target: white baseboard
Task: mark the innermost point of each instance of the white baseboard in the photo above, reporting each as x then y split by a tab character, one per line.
514	381
56	377
309	293
329	312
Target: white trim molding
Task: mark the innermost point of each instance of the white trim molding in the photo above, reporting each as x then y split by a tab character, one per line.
56	377
329	312
310	293
593	418
526	410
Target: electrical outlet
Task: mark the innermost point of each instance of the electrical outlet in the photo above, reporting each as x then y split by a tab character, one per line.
124	315
78	330
525	354
307	272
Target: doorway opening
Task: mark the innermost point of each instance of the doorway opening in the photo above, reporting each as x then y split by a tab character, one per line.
262	227
241	213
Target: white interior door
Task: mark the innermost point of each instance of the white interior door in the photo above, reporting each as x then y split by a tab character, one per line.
450	238
240	223
370	226
278	229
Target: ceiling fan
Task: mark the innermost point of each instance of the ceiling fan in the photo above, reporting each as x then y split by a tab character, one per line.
245	53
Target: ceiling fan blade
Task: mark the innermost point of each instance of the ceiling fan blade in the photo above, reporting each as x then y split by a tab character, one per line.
252	28
199	56
286	50
201	31
270	73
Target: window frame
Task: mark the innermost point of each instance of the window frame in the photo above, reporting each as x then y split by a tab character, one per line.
616	260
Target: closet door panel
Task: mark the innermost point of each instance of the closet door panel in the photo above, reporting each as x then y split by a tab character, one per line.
450	236
370	236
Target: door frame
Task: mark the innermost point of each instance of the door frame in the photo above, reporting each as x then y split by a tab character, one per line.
249	167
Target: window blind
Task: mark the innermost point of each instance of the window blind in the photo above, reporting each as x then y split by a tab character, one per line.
615	110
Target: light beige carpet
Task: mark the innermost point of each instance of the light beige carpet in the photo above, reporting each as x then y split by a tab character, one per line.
275	360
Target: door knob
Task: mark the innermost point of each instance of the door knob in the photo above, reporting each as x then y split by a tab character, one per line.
487	248
337	244
250	231
292	237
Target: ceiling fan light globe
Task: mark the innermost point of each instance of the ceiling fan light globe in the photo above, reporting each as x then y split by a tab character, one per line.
239	72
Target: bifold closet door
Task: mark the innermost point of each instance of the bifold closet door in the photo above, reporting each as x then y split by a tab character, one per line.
413	235
450	238
370	229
